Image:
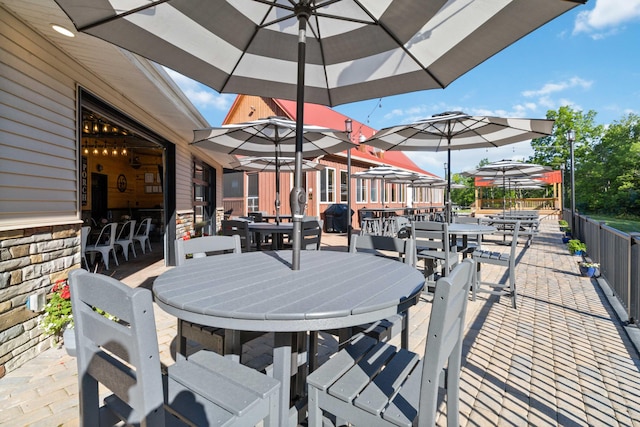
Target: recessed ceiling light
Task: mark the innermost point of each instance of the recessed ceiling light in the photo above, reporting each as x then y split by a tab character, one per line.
62	30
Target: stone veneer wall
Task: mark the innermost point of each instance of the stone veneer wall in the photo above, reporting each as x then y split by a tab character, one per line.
31	260
184	222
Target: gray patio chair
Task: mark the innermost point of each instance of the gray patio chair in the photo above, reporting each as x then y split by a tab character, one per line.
467	244
497	258
370	383
311	234
389	247
433	246
122	355
218	340
125	239
241	228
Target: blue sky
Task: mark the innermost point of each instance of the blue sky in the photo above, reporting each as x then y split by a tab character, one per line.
588	58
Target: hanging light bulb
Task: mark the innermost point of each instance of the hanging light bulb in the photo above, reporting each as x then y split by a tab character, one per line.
114	152
85	150
105	151
95	150
124	150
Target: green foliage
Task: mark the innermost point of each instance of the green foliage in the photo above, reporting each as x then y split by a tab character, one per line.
463	196
57	312
606	161
575	245
563	223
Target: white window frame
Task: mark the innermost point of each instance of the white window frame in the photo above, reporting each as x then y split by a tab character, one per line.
374	193
344	174
361	190
327	195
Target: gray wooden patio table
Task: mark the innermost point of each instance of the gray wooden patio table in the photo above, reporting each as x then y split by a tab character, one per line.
258	291
278	231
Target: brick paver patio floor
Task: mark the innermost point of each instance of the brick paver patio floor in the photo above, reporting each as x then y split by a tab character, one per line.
562	358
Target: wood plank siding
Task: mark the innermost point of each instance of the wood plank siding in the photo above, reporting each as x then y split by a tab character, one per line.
38	154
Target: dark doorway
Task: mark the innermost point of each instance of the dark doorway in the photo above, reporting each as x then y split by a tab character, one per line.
99	200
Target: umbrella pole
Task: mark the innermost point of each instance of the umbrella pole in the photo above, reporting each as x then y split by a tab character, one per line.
298	197
448	212
277	188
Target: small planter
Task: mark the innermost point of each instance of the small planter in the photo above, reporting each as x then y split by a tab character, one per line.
587	271
578	253
565	240
69	341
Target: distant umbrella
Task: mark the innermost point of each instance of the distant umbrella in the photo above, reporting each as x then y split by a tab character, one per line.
456	130
504	169
273	164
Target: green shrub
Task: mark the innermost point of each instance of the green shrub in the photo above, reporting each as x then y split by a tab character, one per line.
575	245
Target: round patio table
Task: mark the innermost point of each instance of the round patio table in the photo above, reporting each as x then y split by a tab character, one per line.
277	230
258	291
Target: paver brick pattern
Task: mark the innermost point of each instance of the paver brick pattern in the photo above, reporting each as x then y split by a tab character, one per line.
560	359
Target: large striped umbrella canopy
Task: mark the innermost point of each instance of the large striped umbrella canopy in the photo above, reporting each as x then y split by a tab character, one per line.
456	130
273	136
277	165
328	52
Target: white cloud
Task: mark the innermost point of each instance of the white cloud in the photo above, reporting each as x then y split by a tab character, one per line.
607	17
202	96
553	87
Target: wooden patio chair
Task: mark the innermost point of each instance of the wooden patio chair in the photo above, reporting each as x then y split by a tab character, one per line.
508	261
218	340
402	250
370	383
122	355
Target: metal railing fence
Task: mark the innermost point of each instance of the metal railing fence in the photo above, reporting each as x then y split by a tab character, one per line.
618	254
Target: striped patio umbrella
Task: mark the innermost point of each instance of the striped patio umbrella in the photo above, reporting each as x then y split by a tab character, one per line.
328	52
273	136
277	165
456	130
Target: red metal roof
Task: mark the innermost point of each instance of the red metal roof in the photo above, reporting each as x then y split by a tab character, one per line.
321	115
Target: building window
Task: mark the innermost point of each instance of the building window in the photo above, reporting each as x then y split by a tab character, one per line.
361	190
385	192
344	179
374	192
203	182
327	186
252	192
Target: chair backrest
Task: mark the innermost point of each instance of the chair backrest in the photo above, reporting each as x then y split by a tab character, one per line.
467	220
102	344
256	216
127	231
311	234
109	231
402	249
444	338
144	227
241	228
84	237
200	247
431	235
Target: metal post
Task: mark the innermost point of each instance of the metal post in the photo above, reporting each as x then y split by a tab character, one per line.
348	128
571	137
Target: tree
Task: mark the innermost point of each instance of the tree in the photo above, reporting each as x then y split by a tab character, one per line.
613	170
554	150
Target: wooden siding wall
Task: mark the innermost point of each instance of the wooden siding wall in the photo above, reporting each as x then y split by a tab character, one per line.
38	166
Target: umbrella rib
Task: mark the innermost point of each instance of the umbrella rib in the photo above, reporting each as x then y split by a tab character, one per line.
121	15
